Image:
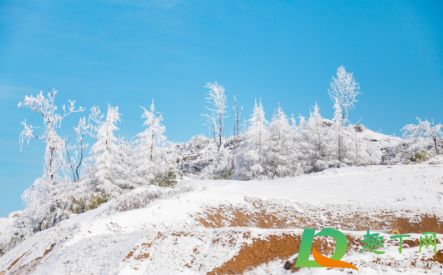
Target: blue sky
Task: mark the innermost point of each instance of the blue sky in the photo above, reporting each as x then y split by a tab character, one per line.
127	53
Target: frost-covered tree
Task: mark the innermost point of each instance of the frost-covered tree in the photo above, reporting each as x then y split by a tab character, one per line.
279	159
361	151
316	138
125	168
94	122
41	197
317	132
297	143
338	120
374	153
217	98
343	139
105	152
344	89
360	156
306	146
253	155
151	161
237	124
75	153
423	130
55	145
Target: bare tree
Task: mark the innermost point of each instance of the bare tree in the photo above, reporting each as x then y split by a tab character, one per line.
217	98
75	153
96	117
344	89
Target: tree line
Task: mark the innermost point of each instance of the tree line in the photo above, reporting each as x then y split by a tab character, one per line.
75	178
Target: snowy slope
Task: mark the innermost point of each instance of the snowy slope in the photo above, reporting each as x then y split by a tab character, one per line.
372	185
237	227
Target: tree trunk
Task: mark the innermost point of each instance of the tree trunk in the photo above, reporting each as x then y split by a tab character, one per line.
51	163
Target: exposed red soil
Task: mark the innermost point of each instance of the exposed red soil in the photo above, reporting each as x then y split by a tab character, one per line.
139	253
438	257
283	216
16	261
27	268
278	247
284	246
428	223
270	214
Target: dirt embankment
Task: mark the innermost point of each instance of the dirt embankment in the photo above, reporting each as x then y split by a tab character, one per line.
255	251
260	213
282	247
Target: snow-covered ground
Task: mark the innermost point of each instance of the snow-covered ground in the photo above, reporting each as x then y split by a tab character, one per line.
215	226
399	185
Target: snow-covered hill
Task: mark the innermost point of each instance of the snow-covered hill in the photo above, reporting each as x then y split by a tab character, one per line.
244	227
196	158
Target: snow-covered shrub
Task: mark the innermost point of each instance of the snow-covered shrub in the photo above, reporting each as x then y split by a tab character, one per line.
141	199
80	205
199	158
166	180
423	155
422	142
45	209
423	132
8	240
224	175
9	236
